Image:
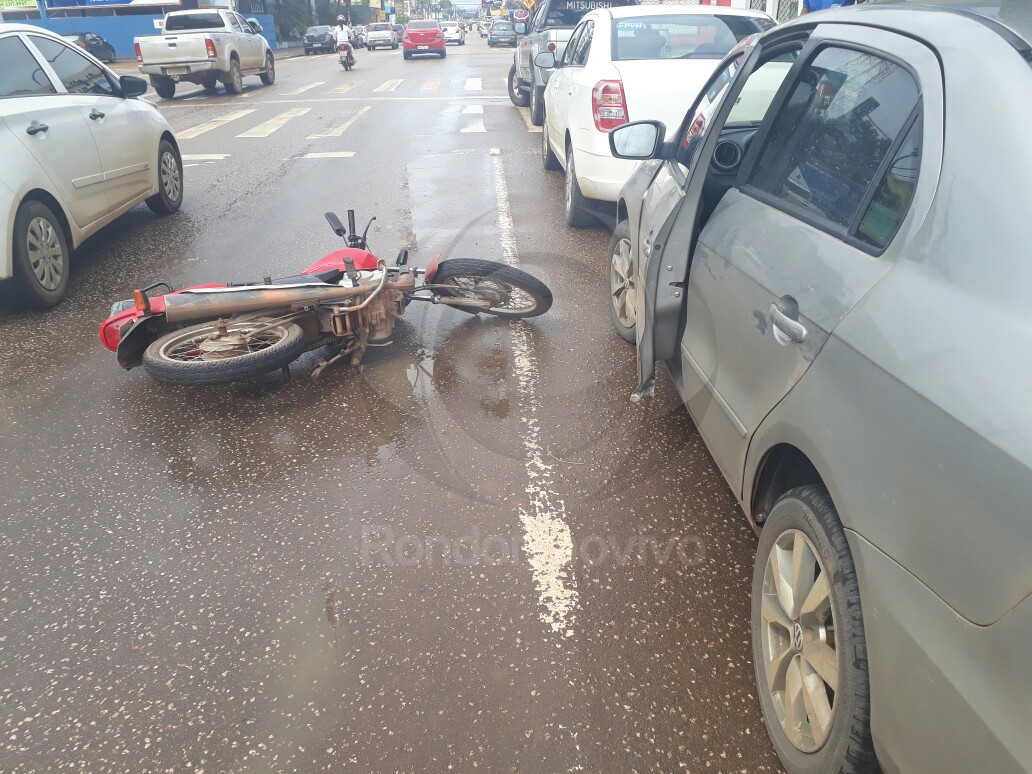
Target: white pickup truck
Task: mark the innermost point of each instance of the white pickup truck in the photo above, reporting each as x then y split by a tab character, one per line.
205	47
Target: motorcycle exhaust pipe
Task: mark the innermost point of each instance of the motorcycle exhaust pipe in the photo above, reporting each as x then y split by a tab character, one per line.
198	305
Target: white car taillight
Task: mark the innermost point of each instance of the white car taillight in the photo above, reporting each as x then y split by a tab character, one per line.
608	105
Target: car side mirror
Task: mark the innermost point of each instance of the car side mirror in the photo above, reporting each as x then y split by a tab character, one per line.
545	60
638	140
132	86
521	28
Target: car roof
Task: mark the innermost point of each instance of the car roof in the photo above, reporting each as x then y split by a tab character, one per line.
623	11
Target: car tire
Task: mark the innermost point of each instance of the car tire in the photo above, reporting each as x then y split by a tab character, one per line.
269	75
622	280
517	96
578	212
548	158
394	47
210	83
537	105
234	81
444	53
169	197
165	87
307	52
804	526
42	258
406	54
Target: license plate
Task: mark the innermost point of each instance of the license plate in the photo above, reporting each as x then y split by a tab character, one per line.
422	48
176	71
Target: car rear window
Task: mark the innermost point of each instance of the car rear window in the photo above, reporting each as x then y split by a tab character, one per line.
194	21
379	27
423	25
502	27
567	13
317	30
684	36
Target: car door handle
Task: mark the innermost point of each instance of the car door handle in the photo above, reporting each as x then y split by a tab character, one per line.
35	128
785	328
95	114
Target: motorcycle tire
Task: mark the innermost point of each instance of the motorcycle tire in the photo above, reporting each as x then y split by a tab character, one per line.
167	360
470	272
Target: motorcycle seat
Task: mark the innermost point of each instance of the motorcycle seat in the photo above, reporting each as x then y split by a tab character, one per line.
329	276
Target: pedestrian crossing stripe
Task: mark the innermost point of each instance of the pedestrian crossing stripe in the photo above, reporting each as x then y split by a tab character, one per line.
389	85
274	124
303	89
346	87
474	84
329	155
473	110
342	128
215	123
431	86
475	128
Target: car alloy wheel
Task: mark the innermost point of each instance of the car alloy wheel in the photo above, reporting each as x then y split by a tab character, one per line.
46	253
621	284
171	178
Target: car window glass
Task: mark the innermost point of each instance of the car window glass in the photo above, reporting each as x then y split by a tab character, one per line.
830	139
235	22
580	56
78	74
20	73
679	36
571	45
894	193
194	21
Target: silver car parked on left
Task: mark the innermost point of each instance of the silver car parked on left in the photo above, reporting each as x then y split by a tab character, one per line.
78	150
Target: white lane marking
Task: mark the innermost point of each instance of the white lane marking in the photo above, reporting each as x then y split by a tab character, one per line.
274	124
547	539
476	128
346	87
431	85
303	89
187	166
471	110
525	112
389	85
205	156
329	155
474	84
339	131
215	123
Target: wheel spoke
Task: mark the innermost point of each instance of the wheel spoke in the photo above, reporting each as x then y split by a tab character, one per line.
804	570
777	669
819	713
816	608
780	567
824	661
772	612
795	709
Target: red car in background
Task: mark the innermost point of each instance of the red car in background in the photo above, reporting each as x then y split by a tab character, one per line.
423	36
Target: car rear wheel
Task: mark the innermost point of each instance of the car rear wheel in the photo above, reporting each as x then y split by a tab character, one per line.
41	255
165	87
269	75
578	213
234	80
548	158
444	53
169	197
809	649
406	54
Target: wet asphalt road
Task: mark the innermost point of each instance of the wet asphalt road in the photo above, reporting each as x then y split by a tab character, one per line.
472	553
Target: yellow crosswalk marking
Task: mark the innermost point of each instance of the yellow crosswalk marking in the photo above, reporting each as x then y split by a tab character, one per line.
303	89
389	85
215	123
342	128
274	124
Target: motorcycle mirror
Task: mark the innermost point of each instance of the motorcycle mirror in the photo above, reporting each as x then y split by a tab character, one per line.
335	224
367	228
402	258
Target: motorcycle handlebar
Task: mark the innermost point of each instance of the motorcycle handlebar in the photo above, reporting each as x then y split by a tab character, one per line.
351	221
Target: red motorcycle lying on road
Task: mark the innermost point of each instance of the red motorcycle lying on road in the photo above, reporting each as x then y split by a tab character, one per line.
348	300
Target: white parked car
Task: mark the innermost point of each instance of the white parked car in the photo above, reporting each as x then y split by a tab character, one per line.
76	151
381	35
624	64
453	33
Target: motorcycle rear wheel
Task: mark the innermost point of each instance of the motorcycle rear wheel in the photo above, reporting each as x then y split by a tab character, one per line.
177	358
515	293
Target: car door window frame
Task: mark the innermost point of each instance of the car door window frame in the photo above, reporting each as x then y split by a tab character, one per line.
587	36
571	46
747	171
112	79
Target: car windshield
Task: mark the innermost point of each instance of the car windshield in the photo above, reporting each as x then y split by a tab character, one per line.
679	36
1016	14
423	25
567	13
193	21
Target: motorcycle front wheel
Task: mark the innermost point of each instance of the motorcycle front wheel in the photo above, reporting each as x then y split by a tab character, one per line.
200	355
513	294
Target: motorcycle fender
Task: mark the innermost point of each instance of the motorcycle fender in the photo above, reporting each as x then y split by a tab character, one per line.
431	268
137	339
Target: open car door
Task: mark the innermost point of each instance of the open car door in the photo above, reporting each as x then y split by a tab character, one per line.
675	202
